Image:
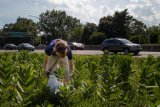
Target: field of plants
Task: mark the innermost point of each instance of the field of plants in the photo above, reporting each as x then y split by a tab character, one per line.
98	81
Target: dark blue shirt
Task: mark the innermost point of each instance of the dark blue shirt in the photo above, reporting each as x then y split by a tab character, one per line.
49	50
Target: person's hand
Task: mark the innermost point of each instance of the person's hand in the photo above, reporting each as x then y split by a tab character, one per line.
65	82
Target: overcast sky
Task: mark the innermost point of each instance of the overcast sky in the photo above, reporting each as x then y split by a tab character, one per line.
147	11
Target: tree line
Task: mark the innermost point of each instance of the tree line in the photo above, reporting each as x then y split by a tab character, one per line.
57	24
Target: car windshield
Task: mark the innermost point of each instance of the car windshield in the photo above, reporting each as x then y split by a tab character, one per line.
125	41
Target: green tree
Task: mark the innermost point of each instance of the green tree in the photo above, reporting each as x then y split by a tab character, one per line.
21	25
121	22
97	38
24	25
154	33
1	39
89	29
75	34
56	24
8	27
116	25
106	26
138	32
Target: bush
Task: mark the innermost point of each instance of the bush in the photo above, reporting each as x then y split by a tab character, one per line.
97	38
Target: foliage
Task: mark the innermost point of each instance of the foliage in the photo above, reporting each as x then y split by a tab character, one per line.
56	24
97	38
37	40
154	33
140	39
27	27
137	27
21	25
116	25
75	34
20	76
89	29
108	80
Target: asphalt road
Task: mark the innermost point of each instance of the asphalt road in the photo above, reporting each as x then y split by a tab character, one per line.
94	52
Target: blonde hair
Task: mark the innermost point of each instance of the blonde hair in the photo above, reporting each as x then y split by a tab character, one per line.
61	47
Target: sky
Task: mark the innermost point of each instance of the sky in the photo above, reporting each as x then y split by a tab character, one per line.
147	11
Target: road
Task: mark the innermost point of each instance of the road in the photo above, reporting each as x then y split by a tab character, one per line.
94	52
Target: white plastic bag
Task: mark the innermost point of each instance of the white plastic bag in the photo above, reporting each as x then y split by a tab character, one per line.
53	83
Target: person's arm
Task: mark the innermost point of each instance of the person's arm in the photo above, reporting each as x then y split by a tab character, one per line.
71	67
68	74
70	60
46	64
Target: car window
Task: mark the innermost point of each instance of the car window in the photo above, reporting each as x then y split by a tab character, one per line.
112	41
109	41
117	42
125	41
26	44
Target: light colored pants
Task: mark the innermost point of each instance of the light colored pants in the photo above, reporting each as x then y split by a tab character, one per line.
62	62
53	83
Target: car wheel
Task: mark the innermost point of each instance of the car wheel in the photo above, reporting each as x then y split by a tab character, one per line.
126	51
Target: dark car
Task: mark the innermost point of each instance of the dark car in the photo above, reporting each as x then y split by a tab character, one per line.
120	45
25	46
10	46
76	45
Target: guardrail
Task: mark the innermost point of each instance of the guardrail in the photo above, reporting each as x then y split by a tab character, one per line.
151	47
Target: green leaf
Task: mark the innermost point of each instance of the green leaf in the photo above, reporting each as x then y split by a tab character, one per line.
19	97
157	77
157	103
19	87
